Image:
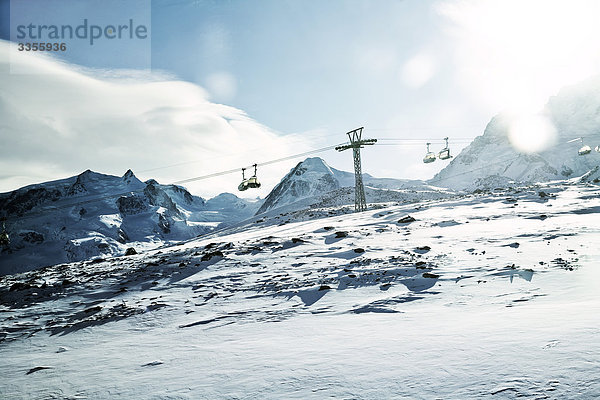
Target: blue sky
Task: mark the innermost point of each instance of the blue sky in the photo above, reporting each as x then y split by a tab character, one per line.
296	65
421	69
300	65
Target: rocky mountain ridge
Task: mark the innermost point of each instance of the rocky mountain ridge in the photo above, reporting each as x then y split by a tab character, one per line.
96	215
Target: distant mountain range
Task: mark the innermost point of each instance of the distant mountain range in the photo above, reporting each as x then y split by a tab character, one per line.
95	215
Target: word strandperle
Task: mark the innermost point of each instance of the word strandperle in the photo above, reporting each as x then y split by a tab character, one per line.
83	31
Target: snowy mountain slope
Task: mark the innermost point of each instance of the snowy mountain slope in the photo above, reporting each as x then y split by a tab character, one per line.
92	215
96	215
488	295
313	177
491	161
341	201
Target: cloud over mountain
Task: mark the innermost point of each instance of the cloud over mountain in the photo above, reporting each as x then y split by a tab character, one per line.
59	119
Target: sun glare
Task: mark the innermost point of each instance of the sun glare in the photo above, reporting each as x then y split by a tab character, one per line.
514	54
418	70
531	133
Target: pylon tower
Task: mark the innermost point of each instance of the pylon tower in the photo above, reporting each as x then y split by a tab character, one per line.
356	143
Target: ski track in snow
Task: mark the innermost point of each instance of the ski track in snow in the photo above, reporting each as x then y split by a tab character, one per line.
487	295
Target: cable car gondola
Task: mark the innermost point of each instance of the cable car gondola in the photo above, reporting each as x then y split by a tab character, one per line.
250	183
244	185
585	149
430	156
253	180
444	154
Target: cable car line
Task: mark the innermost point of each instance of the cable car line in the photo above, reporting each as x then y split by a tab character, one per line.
130	192
426	140
231	155
30	214
231	171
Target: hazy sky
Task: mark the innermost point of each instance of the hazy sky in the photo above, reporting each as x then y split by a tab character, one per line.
421	69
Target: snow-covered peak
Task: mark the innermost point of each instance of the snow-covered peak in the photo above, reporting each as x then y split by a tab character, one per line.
310	177
128	174
129	177
228	202
575	110
88	173
223	200
316	164
313	177
92	176
224	197
491	160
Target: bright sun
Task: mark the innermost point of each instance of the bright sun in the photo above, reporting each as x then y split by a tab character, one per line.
531	133
514	54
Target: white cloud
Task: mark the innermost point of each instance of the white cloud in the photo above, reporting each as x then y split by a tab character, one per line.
58	121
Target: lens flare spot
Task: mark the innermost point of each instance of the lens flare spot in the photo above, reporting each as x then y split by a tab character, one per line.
532	134
417	71
222	86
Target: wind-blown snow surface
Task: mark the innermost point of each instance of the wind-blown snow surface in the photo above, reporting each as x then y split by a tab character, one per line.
92	215
491	161
488	295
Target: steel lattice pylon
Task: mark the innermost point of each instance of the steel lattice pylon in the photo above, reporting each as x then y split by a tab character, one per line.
360	202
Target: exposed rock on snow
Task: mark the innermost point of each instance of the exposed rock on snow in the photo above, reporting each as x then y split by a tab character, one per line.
406	220
35	369
437	296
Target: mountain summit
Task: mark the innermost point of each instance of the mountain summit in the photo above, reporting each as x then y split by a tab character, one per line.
313	177
310	177
491	160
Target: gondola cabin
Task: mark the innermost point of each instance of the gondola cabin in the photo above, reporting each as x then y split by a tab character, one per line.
253	180
250	183
429	156
444	154
585	150
244	184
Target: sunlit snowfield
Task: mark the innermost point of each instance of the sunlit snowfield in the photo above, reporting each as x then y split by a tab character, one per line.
488	295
